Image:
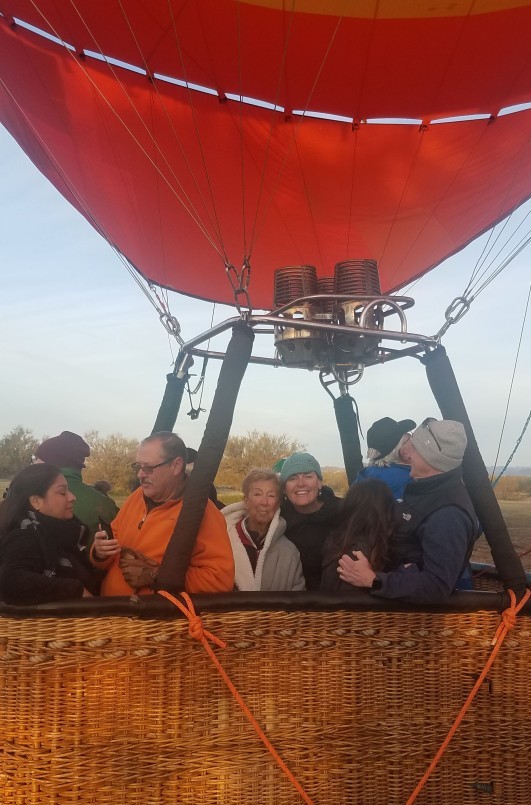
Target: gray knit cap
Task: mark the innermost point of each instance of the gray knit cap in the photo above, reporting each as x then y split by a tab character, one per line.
300	462
441	443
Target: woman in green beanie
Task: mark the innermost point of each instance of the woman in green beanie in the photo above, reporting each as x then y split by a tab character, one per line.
310	511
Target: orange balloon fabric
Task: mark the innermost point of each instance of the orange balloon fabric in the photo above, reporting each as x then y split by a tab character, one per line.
184	179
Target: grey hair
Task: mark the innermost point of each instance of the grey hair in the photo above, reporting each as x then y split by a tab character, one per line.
394	457
172	446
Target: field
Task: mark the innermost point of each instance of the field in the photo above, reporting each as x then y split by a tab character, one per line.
517	514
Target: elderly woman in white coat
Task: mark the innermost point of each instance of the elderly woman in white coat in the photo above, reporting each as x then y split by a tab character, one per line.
264	559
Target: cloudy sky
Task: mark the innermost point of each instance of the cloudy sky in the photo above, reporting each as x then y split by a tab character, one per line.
83	349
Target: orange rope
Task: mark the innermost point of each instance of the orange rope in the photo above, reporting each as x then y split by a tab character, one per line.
508	620
197	631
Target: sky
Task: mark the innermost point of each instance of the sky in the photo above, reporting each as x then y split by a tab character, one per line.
82	349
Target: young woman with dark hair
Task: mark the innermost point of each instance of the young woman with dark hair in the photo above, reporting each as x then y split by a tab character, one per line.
366	522
42	557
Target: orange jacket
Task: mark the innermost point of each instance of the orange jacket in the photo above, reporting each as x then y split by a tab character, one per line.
211	567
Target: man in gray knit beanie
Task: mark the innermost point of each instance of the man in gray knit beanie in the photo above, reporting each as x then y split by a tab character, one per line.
436	523
440	445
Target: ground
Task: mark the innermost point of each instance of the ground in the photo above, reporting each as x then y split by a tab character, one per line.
517	514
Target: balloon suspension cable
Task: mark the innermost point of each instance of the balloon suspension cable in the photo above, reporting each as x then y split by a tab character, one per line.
509	395
239	281
168	321
461	304
194	412
454	313
517	445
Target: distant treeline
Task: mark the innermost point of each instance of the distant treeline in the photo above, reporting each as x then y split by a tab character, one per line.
111	458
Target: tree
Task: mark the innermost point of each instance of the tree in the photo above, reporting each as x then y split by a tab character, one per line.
513	487
16	450
242	453
337	480
507	488
110	460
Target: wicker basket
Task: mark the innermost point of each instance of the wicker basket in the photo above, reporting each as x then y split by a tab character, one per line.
120	710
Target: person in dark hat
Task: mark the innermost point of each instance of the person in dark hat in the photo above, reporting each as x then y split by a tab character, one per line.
68	451
103	486
385	439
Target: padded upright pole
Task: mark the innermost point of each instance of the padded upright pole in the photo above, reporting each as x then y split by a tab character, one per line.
173	394
347	424
172	572
446	392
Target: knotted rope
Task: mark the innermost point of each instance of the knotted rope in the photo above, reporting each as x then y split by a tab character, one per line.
197	631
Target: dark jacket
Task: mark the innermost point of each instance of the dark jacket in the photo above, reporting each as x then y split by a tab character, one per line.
436	531
43	560
330	581
308	532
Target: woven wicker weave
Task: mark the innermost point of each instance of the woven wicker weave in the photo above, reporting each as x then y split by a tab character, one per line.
118	711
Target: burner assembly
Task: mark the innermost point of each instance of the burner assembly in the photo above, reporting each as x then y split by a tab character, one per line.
335	323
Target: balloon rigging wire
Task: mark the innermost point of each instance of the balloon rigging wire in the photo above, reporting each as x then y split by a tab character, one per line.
412	166
288	151
422	128
272	123
434	210
490	277
488	249
509	398
190	209
242	150
216	224
134	273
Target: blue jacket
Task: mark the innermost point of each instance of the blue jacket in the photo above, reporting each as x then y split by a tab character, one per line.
396	476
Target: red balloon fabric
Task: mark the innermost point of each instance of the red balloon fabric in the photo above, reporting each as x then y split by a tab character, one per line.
183	177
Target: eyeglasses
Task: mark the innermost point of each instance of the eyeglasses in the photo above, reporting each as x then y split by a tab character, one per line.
149	468
426	424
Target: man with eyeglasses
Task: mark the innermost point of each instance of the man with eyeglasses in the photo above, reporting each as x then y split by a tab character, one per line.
436	522
145	523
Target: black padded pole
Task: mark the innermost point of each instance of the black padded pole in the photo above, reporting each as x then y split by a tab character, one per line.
173	394
172	572
347	424
446	392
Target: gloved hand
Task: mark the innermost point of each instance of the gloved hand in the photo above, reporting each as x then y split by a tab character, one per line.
138	570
